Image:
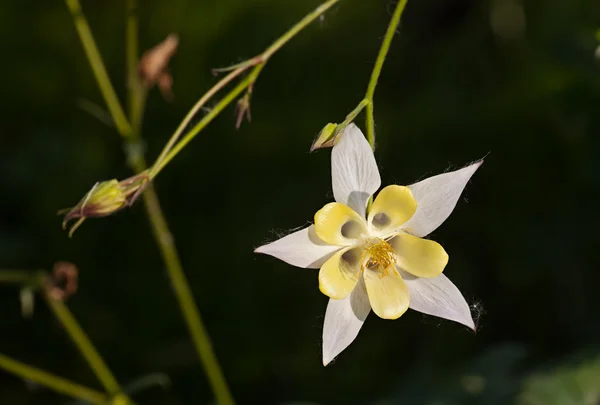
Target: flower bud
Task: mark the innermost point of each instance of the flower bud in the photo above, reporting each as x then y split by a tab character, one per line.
325	138
106	198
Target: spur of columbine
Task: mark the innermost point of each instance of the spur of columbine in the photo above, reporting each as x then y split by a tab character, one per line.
377	259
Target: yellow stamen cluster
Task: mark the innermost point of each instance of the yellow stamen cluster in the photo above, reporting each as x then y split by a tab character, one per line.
378	255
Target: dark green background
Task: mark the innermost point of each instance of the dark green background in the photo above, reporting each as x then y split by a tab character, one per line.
523	241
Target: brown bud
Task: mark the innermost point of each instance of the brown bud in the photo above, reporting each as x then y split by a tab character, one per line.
154	64
63	282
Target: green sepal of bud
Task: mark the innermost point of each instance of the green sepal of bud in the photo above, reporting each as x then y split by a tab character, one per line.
105	198
326	138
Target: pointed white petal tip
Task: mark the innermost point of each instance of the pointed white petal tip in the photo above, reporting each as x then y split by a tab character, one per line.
436	198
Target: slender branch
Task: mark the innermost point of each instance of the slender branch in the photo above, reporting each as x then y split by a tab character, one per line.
299	26
160	228
184	294
91	51
18	277
85	346
216	110
199	104
170	150
51	381
383	51
351	116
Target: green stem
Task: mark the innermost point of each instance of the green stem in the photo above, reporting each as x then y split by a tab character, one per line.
84	345
160	228
199	104
18	277
351	116
171	150
51	381
299	26
183	292
383	51
91	51
225	101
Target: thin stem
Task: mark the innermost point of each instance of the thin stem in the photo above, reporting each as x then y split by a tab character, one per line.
160	228
352	115
170	150
51	381
85	346
199	104
383	51
18	277
91	51
183	292
299	26
243	85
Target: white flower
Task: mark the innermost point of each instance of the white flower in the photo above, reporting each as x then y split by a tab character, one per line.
377	260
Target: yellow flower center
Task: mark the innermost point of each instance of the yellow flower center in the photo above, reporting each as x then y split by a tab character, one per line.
378	255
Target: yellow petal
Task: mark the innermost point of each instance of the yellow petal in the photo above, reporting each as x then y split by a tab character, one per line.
339	274
420	257
388	294
393	206
338	224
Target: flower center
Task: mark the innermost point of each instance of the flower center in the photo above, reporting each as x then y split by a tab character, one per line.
378	255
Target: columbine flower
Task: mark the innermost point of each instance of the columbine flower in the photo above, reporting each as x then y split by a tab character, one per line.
377	260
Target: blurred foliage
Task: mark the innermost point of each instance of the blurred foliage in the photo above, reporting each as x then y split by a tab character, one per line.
567	384
513	79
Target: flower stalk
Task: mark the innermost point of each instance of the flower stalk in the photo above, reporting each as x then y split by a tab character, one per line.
52	381
40	280
98	67
383	51
84	345
171	149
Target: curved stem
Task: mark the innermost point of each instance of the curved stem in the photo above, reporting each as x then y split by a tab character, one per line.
299	26
243	85
383	51
51	381
199	104
171	150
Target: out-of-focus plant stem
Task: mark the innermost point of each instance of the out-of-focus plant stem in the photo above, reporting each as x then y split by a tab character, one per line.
98	67
258	62
39	280
18	277
162	234
84	345
383	51
51	381
160	227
